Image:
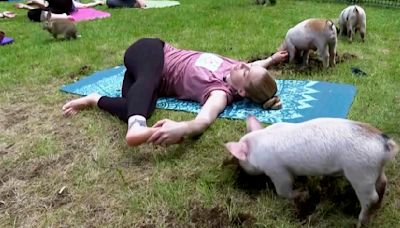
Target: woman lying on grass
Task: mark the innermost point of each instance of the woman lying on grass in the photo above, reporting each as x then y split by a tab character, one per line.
126	3
155	69
60	9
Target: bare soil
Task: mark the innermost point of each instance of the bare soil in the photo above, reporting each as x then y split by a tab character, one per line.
314	65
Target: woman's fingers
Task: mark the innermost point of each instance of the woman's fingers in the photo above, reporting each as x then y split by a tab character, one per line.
160	123
69	112
155	136
161	141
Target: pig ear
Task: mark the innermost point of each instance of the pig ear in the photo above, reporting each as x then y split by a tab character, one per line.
253	124
238	149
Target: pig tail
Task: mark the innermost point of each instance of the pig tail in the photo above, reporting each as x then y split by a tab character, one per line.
273	103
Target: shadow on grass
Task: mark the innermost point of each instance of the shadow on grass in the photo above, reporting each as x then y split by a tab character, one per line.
334	190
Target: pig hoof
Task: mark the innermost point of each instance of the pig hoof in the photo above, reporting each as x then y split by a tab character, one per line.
303	205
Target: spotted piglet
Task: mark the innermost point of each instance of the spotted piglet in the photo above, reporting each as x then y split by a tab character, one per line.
351	20
323	146
312	34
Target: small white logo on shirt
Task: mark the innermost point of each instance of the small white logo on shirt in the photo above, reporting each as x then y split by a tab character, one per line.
209	61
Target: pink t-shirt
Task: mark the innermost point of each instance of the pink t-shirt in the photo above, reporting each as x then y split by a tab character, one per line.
192	75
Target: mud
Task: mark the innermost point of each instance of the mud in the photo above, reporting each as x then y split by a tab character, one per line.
14	116
336	190
218	217
61	199
314	65
33	169
213	217
253	185
83	70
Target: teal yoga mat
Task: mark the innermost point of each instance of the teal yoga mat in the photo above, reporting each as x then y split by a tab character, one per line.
302	99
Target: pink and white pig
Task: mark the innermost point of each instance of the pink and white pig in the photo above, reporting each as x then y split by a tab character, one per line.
351	20
323	146
312	34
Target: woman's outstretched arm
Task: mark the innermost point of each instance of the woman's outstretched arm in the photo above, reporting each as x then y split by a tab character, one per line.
171	132
275	59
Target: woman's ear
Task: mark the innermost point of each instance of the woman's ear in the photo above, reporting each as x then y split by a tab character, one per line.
241	92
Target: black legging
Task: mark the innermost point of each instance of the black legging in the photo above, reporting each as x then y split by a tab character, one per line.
120	3
144	62
55	6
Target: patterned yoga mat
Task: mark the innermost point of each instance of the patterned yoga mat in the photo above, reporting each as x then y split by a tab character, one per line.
302	99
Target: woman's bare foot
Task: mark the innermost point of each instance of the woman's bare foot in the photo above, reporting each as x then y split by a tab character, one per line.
100	2
7	14
140	4
53	16
31	5
74	106
137	135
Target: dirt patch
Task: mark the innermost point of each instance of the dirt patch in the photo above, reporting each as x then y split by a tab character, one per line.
218	217
251	184
214	217
148	226
83	70
244	219
14	116
314	64
61	198
336	190
6	195
340	192
34	168
5	148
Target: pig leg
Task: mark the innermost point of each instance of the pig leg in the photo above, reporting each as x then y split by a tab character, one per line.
306	54
332	54
323	52
364	186
283	182
350	32
380	186
342	31
292	51
362	32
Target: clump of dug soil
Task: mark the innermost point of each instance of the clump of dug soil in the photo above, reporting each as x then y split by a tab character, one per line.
314	63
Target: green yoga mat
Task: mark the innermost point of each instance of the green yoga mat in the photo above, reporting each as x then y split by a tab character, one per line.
160	4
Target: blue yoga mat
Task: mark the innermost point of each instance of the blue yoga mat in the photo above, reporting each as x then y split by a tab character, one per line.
302	99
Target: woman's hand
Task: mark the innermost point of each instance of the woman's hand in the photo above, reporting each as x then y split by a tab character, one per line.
169	132
279	57
276	58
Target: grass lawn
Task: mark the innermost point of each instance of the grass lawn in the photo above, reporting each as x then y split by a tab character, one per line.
78	171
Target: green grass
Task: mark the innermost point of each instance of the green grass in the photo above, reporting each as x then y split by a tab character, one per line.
109	184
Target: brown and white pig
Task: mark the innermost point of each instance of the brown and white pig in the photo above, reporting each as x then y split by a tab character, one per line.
312	34
351	20
323	146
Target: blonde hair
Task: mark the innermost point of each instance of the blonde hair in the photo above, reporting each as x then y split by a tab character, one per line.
262	90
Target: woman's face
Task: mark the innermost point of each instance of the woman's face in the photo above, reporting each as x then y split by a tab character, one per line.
238	75
242	74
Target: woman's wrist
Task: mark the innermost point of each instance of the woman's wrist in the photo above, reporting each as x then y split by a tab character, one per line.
272	60
186	129
194	128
